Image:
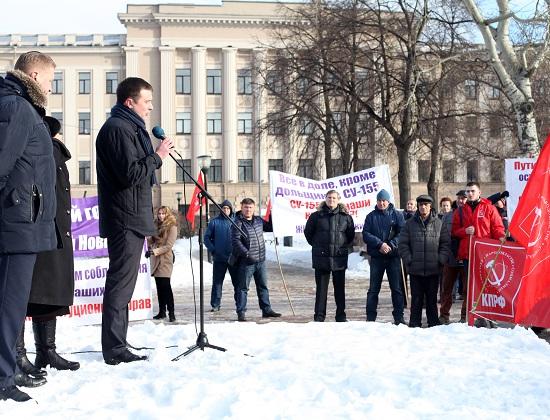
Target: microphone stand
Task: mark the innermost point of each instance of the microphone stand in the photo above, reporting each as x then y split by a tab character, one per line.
202	339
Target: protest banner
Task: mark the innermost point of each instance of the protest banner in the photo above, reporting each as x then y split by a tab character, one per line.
294	198
517	172
495	273
85	228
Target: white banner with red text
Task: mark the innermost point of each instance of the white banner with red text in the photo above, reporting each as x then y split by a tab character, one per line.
294	198
517	173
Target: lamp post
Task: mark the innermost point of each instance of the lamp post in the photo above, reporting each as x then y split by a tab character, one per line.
178	197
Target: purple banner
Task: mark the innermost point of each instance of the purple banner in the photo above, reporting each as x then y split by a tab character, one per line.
85	228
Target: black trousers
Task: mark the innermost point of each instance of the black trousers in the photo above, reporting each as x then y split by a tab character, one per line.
15	288
165	295
424	287
124	256
322	279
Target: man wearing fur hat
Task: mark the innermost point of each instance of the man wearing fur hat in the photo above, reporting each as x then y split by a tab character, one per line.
381	234
27	199
330	232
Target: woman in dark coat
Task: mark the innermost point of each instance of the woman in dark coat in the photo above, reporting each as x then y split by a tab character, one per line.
330	232
52	288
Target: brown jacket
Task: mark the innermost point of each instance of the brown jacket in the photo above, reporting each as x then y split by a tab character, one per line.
162	258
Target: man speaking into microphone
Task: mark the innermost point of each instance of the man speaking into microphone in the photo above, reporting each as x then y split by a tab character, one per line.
126	164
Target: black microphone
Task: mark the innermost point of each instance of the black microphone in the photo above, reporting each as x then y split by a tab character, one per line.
158	132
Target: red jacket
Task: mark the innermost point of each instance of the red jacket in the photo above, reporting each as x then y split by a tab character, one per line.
485	219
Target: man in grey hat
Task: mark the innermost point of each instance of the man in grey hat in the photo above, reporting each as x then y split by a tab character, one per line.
424	248
381	234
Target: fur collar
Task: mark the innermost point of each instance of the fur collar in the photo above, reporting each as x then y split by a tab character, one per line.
341	208
34	92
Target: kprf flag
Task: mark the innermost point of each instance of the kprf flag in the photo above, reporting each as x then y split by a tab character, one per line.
268	210
494	279
530	226
194	205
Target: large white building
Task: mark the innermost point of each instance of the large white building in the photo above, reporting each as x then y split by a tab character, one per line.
203	64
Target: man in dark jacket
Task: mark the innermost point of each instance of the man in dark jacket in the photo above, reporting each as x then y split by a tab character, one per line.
126	164
381	234
249	257
424	248
330	232
27	199
217	239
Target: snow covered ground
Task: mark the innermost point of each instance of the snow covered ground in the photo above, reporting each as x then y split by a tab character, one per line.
280	370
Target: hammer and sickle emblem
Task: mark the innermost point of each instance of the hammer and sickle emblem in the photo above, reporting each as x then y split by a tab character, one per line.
494	279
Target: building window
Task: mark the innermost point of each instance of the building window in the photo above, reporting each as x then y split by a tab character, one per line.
183	81
59	117
215	171
83	123
305	126
361	84
472	129
305	168
337	167
495	127
364	164
57	83
423	170
214	82
183	123
276	124
494	92
244	123
245	170
213	122
337	118
275	165
497	170
84	82
303	85
111	82
273	83
180	176
448	170
472	171
84	172
470	89
363	124
244	82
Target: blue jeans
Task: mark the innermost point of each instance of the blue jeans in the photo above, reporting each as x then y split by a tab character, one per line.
218	276
392	267
245	273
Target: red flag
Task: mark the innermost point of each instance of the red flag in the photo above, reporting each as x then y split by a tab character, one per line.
494	279
530	226
194	205
268	210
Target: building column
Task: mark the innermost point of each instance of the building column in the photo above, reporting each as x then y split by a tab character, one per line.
198	113
167	105
70	120
132	61
261	172
97	117
229	114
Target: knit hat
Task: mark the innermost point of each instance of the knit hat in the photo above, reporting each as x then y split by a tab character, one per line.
383	195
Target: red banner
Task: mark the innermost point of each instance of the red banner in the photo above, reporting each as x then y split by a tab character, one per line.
194	205
530	226
495	273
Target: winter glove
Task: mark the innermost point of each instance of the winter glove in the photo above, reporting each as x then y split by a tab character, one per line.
148	254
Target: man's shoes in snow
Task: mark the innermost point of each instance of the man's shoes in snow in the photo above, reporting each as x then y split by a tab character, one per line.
443	320
271	314
400	321
215	309
13	393
22	379
125	357
241	317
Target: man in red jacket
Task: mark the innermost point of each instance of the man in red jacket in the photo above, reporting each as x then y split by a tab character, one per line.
478	218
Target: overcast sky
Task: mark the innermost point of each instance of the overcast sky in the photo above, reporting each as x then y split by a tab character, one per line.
92	16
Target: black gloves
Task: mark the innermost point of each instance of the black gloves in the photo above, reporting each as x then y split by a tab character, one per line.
148	254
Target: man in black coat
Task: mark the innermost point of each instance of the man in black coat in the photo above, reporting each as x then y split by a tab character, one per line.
27	199
424	249
248	255
126	164
330	232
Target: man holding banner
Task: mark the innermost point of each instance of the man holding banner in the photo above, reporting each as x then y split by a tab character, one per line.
480	219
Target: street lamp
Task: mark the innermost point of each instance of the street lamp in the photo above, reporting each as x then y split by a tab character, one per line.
178	197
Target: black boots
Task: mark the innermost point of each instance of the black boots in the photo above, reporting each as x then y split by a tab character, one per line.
22	379
23	363
12	393
160	315
44	337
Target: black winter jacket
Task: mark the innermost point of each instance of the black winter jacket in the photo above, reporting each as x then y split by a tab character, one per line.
383	226
124	173
27	169
249	249
424	246
330	234
53	275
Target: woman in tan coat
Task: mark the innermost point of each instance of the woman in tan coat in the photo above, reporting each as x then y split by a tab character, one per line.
162	260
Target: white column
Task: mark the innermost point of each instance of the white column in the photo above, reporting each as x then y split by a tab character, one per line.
229	114
70	119
260	111
98	115
132	61
167	105
198	113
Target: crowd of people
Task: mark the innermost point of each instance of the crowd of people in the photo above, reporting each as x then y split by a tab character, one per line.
36	255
